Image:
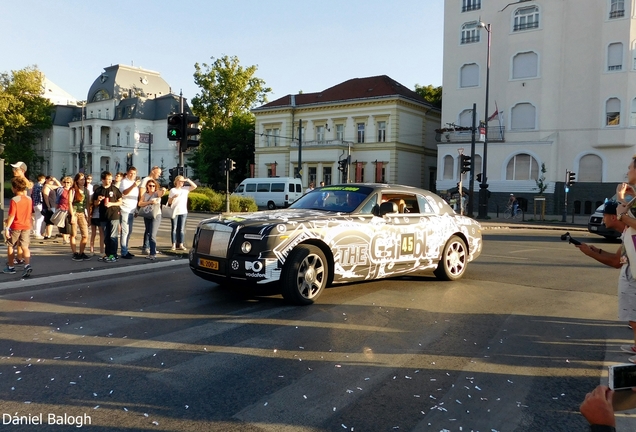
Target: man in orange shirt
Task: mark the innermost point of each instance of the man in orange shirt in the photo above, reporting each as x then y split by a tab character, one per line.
18	226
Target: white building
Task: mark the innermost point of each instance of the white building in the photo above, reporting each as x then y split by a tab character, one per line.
124	105
563	78
386	129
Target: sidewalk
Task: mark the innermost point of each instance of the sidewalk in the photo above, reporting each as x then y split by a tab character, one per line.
551	222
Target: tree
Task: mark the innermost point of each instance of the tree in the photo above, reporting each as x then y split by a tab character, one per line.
432	95
24	114
541	184
227	90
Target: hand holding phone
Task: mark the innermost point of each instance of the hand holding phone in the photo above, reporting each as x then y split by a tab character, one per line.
622	376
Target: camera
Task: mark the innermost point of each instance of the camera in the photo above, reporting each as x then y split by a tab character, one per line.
569	238
622	376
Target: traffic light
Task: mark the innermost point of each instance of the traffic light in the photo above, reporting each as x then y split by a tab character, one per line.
223	166
479	177
189	131
174	172
175	127
466	163
342	165
570	178
231	165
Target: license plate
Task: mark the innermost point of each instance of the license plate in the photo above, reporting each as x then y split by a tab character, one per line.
209	264
594	228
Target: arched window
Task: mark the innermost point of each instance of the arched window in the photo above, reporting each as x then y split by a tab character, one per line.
470	33
100	95
590	169
448	173
469	75
617	9
525	65
522	167
466	118
615	56
523	116
613	112
526	18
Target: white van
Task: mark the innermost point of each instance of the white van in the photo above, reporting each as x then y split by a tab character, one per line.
271	192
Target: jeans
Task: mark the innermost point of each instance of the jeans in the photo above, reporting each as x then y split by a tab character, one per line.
126	230
178	229
111	235
152	226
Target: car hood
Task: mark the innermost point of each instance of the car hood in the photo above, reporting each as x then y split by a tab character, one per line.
272	217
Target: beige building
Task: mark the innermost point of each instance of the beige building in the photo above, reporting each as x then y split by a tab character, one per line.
383	132
562	93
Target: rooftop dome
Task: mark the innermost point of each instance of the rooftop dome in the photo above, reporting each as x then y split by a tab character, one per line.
123	82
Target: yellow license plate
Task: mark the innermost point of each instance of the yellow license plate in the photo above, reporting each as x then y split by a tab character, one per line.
209	264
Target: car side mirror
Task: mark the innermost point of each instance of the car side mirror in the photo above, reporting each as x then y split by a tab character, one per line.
375	211
388	207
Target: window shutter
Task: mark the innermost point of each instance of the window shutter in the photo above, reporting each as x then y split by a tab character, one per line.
523	116
525	65
469	75
615	56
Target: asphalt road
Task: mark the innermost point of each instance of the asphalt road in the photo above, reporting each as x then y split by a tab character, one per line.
514	346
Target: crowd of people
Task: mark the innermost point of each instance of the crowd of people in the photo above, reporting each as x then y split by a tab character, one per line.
77	208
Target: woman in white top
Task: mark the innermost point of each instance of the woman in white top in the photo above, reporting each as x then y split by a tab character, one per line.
178	200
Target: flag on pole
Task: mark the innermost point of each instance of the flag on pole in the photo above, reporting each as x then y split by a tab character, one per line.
494	115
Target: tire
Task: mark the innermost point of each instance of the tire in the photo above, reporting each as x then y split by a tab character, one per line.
304	275
519	214
271	205
507	213
453	263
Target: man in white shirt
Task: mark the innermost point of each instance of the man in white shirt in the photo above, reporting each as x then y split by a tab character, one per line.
129	188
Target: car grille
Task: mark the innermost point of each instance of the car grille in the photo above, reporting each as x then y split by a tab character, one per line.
596	220
214	240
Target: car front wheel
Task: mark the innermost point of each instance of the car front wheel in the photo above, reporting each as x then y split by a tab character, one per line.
453	263
304	275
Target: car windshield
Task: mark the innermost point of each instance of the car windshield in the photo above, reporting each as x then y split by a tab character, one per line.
341	198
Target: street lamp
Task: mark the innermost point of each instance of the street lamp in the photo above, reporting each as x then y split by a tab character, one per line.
483	187
81	149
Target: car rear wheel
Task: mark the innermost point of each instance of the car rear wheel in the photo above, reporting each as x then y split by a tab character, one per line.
271	205
304	275
454	259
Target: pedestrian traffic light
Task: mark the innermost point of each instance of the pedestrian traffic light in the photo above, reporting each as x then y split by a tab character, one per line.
223	166
175	127
231	165
570	178
342	164
173	174
465	163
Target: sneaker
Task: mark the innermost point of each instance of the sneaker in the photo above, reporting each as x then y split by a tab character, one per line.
151	257
128	256
632	359
27	271
182	247
77	257
145	251
104	258
173	248
85	257
111	259
9	270
39	237
629	348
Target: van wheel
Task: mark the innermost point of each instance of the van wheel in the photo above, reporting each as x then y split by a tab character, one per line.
305	275
271	205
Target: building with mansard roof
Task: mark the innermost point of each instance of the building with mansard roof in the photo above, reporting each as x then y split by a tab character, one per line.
562	93
124	107
381	130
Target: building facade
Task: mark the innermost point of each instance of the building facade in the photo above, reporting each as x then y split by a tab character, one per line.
125	108
562	93
382	131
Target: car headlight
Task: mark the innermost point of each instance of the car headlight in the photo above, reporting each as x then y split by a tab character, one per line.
246	247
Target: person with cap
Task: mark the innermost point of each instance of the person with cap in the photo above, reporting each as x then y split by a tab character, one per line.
513	204
619	260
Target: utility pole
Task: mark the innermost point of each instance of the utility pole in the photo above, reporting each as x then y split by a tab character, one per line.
300	149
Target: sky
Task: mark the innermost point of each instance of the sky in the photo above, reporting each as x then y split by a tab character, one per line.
297	45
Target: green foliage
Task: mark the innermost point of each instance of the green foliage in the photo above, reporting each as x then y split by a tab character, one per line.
208	200
432	95
227	90
541	184
24	115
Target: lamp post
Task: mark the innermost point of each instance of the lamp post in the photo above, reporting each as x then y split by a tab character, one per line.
483	187
81	149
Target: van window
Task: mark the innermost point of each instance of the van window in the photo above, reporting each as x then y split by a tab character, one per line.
240	188
291	187
250	187
278	187
299	188
262	187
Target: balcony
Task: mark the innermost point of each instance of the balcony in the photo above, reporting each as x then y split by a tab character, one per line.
617	14
495	134
324	143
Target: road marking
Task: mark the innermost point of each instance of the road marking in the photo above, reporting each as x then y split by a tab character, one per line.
76	276
505	256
